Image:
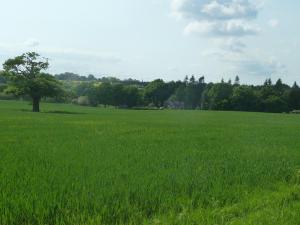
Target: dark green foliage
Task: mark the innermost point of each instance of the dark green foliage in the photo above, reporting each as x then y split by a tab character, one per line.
83	88
294	97
132	96
3	84
192	93
244	99
25	76
157	92
219	96
75	77
2	78
275	104
106	94
189	92
92	94
237	81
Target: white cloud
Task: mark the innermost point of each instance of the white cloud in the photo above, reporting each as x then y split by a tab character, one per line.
243	63
228	22
230	10
215	9
233	45
218	17
273	23
254	64
224	28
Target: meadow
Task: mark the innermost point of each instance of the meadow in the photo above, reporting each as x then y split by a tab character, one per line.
81	165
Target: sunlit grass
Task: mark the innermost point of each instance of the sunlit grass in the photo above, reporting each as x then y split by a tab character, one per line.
80	165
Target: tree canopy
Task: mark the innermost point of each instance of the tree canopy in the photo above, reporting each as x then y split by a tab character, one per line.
26	76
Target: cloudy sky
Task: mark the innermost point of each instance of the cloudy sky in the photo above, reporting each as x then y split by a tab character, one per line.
168	39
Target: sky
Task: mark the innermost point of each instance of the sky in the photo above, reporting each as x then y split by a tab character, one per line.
150	39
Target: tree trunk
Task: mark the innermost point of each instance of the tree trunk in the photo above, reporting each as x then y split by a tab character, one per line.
35	104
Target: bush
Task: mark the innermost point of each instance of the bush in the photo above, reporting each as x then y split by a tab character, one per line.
4	96
83	100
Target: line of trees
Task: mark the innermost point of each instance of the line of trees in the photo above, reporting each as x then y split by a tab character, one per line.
194	93
24	76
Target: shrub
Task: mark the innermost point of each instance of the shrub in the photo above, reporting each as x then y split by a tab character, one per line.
83	100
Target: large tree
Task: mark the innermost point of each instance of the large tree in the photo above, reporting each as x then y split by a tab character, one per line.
25	76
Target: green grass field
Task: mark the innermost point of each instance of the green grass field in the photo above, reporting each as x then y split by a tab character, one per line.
80	165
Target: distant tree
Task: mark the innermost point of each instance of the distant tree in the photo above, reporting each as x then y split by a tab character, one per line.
192	79
92	94
237	80
25	76
279	86
193	94
74	77
275	104
180	94
2	82
294	97
244	99
91	77
105	94
267	90
279	83
157	92
134	82
268	82
206	97
219	96
111	80
201	80
83	100
295	85
83	88
118	95
132	96
68	76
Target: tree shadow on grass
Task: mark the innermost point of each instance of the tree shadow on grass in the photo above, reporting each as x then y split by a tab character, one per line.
56	112
64	112
25	110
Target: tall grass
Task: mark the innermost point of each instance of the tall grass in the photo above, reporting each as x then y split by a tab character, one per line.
80	165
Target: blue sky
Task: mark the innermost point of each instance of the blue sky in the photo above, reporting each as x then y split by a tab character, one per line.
255	39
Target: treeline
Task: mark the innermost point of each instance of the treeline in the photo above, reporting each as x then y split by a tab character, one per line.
75	77
190	93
